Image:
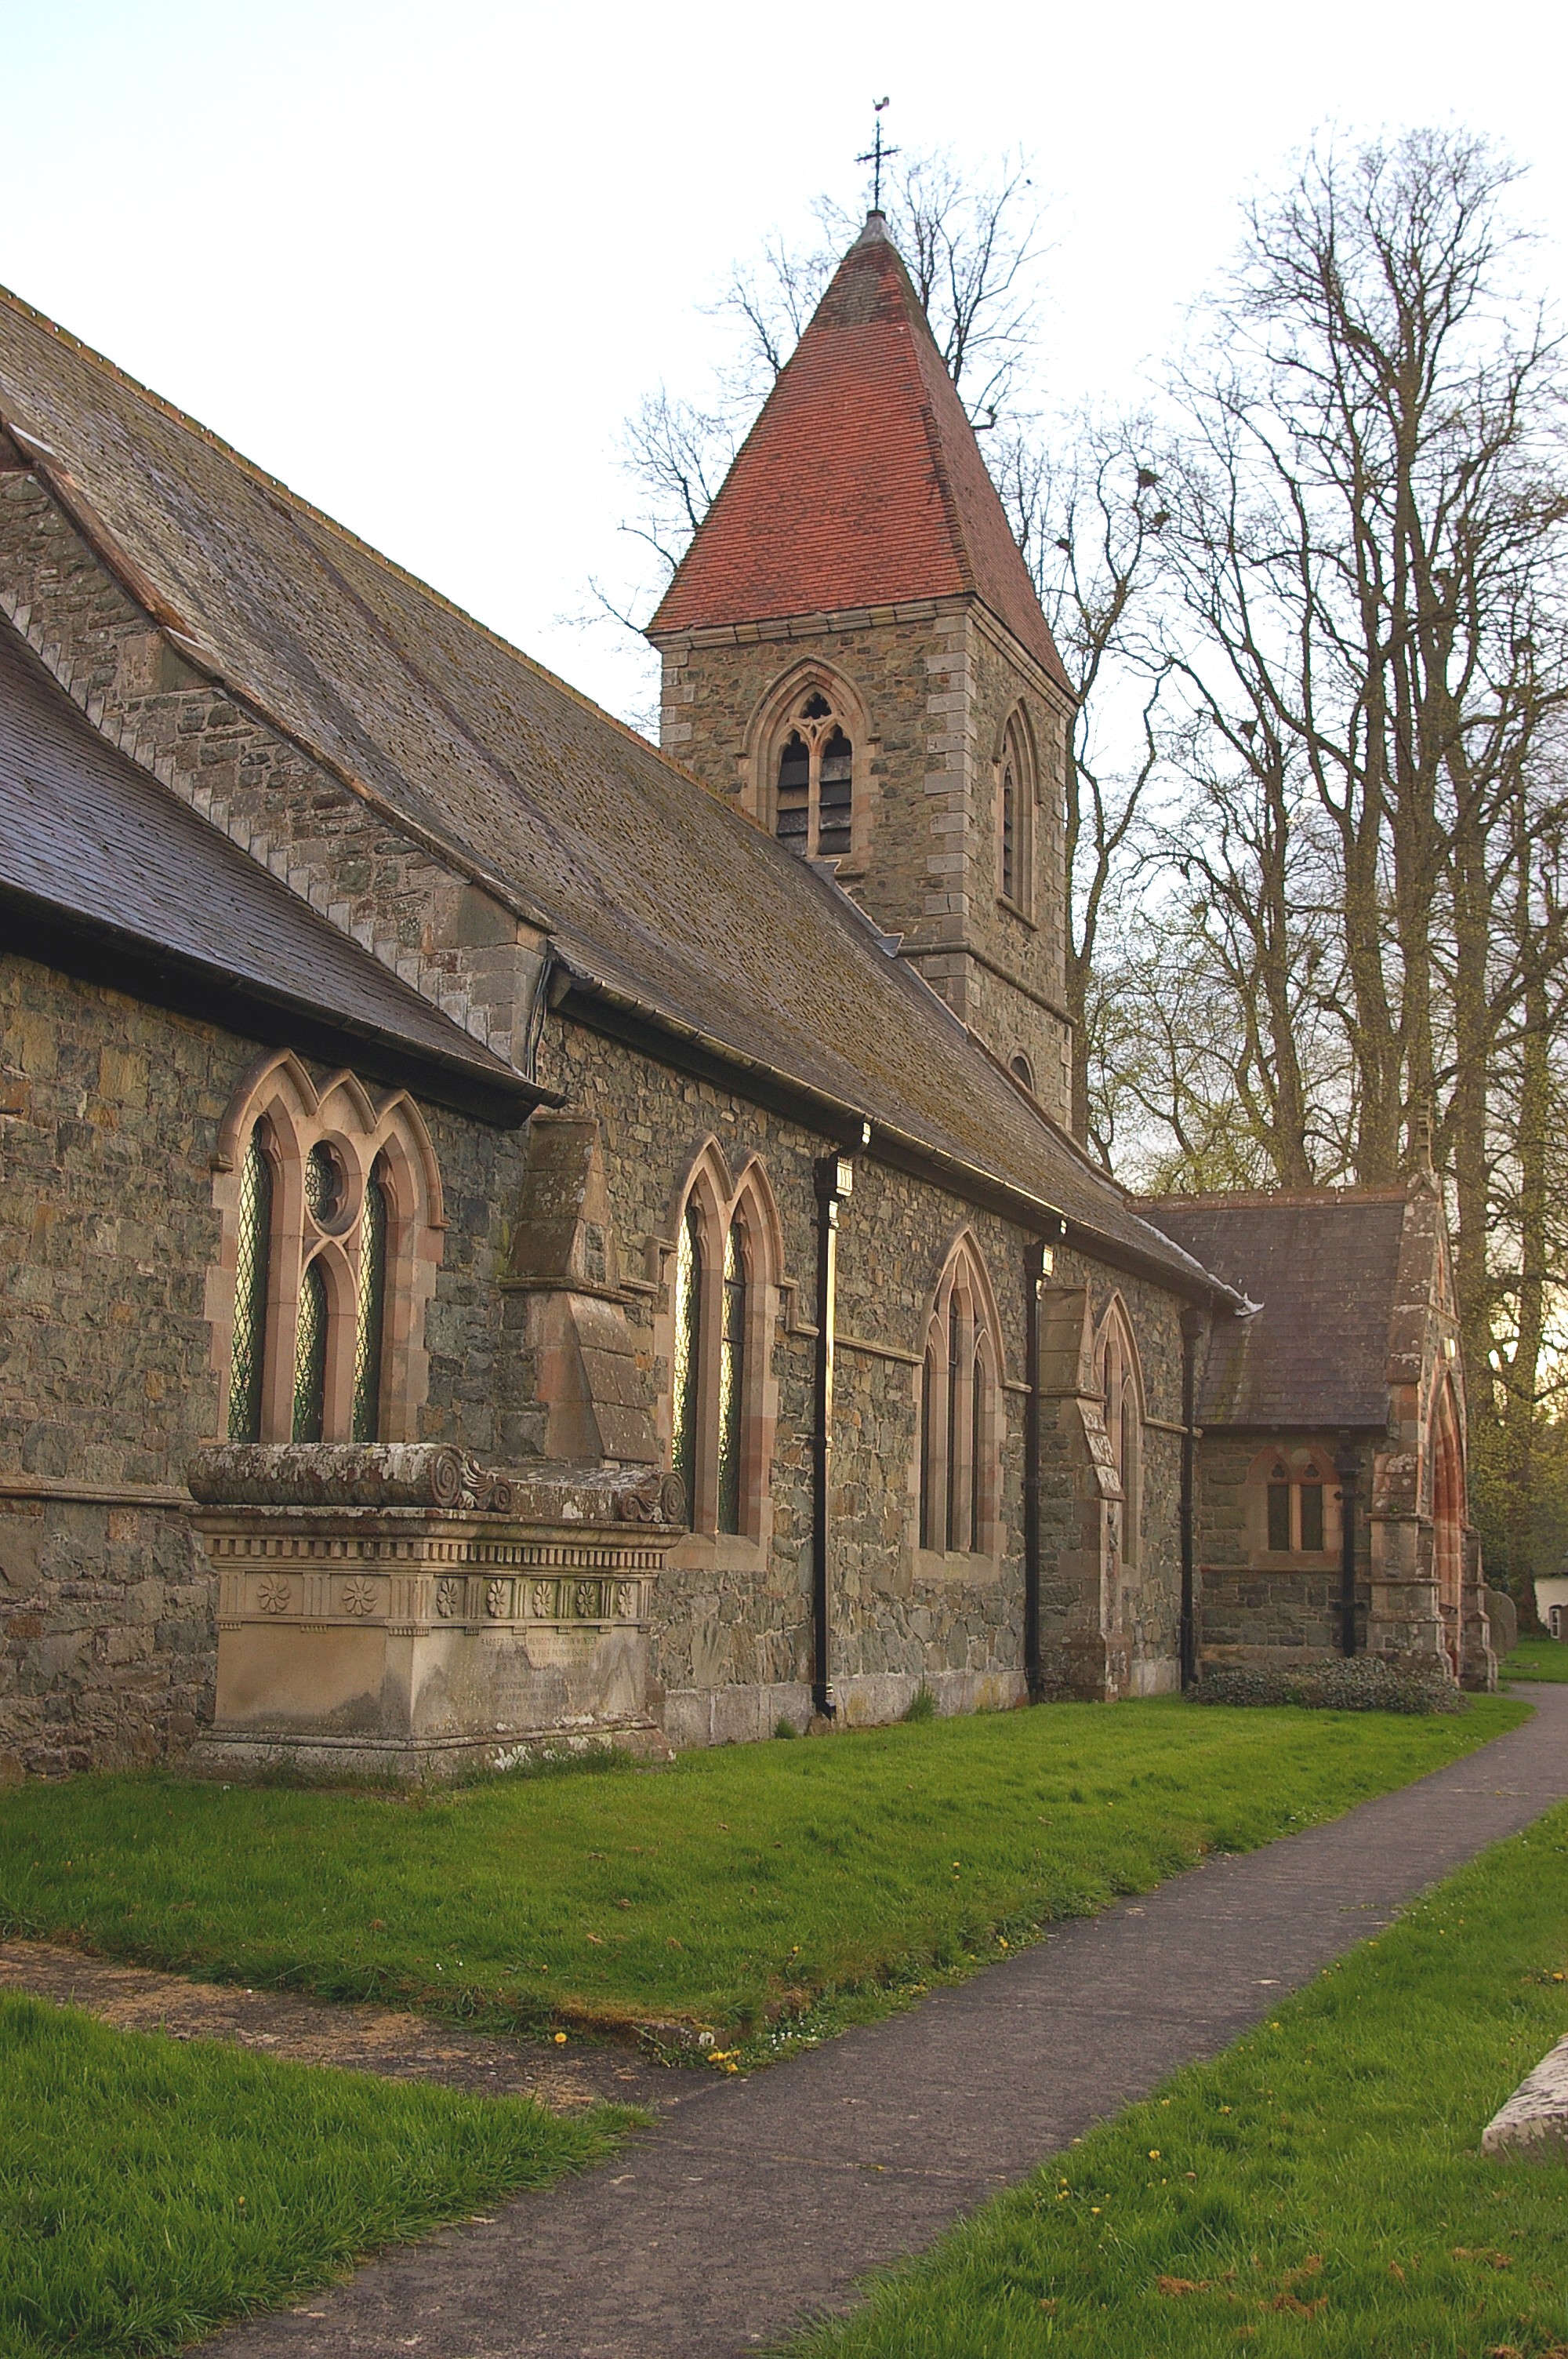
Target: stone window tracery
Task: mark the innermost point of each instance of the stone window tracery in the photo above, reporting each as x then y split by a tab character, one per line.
812	783
330	1204
720	1392
960	1413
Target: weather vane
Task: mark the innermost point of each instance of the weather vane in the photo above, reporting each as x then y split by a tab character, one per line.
877	154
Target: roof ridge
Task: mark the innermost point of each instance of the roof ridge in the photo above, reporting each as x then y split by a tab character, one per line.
335	524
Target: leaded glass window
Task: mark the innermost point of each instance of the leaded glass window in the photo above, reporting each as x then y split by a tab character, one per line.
1280	1510
1311	1514
372	1309
930	1522
732	1382
687	1366
960	1429
253	1265
954	1431
310	1356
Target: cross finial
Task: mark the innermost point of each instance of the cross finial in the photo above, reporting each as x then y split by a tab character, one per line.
877	154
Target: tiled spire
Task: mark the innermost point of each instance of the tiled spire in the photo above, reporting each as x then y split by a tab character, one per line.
862	484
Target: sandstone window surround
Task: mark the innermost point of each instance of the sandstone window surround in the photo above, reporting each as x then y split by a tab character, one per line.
330	1204
723	1262
1292	1504
1017	773
1119	1377
961	1422
1445	1463
808	763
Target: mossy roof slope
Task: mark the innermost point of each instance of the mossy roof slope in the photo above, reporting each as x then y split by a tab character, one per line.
645	882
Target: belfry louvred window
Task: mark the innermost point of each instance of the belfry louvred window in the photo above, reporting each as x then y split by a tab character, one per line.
332	1225
814	782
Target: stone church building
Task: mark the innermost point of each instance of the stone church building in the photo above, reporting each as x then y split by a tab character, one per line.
511	1236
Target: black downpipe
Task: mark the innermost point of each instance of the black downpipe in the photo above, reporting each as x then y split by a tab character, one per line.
1348	1466
834	1178
1037	1266
1193	1325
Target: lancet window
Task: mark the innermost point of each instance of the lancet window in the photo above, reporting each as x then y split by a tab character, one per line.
960	1413
814	779
331	1205
1120	1384
720	1319
1015	815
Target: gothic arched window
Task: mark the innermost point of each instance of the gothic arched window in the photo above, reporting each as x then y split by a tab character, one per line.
960	1414
720	1346
331	1212
251	1268
1121	1394
1015	816
814	779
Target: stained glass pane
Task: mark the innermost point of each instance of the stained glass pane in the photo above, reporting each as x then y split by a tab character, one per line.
371	1312
950	1519
928	1521
325	1187
310	1357
246	1366
1312	1514
688	1354
976	1406
1280	1516
732	1382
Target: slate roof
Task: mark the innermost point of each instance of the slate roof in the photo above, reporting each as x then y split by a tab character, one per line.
92	844
647	885
861	483
1325	1268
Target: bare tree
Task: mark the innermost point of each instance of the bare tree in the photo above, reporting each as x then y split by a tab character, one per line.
1369	644
971	245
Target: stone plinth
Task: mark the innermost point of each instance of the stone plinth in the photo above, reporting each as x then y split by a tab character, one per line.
395	1611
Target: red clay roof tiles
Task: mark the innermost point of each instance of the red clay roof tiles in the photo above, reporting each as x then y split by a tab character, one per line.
860	483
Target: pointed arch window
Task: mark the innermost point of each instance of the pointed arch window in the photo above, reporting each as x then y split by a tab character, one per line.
1121	1394
813	777
732	1380
372	1308
250	1273
331	1212
721	1391
1015	817
960	1415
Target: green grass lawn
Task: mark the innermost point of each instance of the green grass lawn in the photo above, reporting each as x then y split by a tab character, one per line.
1319	2189
150	2189
735	1888
1536	1658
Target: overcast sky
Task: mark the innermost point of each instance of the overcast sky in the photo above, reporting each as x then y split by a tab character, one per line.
420	263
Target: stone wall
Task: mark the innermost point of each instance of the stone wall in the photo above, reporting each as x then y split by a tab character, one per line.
936	682
109	1116
1287	1608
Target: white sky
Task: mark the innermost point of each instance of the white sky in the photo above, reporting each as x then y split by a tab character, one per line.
420	262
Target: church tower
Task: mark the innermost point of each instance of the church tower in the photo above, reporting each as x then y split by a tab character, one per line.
853	649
